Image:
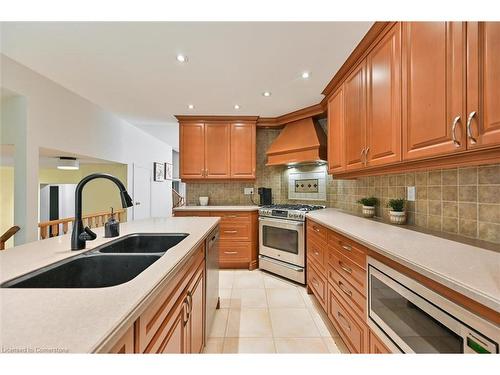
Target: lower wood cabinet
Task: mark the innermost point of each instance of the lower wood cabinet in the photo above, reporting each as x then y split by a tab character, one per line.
336	275
376	345
352	329
174	322
238	245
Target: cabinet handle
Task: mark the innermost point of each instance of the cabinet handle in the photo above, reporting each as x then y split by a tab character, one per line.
366	155
361	156
469	130
345	268
231	231
230	252
347	325
346	247
185	312
231	216
316	253
315	228
453	134
344	289
315	283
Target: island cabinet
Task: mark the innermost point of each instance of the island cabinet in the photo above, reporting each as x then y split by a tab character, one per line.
238	241
174	322
217	150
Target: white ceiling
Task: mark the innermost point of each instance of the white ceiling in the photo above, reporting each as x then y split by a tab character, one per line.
130	68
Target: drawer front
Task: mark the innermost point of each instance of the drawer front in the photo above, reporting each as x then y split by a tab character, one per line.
232	216
317	283
346	291
318	254
191	213
234	251
235	231
353	273
317	230
353	331
349	248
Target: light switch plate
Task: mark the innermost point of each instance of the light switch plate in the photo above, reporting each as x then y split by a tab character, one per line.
248	191
410	193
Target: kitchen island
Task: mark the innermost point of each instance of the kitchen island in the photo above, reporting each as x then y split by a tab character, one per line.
88	320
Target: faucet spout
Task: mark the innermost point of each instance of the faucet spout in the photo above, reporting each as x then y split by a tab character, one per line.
79	234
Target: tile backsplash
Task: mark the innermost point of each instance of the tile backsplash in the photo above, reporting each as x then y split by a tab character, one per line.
463	201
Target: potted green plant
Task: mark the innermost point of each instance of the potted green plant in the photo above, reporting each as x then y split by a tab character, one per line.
397	213
369	204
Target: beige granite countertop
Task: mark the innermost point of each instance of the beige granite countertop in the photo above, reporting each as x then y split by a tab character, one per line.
217	208
469	270
85	320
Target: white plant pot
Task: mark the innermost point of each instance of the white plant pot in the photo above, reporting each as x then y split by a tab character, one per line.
203	201
397	217
368	211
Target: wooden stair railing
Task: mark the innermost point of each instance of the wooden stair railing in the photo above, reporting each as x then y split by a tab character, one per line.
55	228
177	199
7	235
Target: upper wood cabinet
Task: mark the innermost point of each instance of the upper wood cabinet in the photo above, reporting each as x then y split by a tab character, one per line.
433	88
336	147
192	147
243	150
483	84
383	126
217	150
355	117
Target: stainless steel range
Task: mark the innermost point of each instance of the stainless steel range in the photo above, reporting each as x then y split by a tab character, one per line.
282	239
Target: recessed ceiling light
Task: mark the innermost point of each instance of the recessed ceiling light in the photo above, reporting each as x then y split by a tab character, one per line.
181	58
190	106
68	163
236	106
266	93
305	75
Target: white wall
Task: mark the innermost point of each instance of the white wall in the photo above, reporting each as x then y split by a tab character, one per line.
167	132
59	119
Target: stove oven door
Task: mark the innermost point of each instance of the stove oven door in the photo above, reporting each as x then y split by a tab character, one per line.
282	240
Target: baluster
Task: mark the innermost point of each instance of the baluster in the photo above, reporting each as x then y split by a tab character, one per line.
44	232
55	230
65	227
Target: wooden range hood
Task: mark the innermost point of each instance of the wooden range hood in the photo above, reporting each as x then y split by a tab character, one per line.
300	142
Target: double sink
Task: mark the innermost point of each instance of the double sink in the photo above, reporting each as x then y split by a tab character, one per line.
111	264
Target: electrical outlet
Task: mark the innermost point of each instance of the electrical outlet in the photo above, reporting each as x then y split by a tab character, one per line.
410	193
248	191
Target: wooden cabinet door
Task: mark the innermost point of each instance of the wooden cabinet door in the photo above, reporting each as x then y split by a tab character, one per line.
217	151
483	83
196	322
355	117
126	343
177	339
383	130
243	151
192	151
336	139
433	88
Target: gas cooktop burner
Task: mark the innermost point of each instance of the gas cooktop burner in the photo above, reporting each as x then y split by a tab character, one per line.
295	212
294	207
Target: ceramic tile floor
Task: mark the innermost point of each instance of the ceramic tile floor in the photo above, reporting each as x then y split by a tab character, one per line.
263	313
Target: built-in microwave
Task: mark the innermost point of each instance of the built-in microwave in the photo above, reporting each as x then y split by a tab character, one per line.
411	318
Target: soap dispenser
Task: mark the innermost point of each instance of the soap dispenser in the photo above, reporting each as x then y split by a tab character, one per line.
112	227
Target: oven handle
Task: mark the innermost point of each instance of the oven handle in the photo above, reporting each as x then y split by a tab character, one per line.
281	221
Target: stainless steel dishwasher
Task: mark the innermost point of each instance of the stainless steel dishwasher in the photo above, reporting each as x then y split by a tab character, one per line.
212	278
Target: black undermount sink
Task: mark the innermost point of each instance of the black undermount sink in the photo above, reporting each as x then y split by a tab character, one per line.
111	264
143	243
